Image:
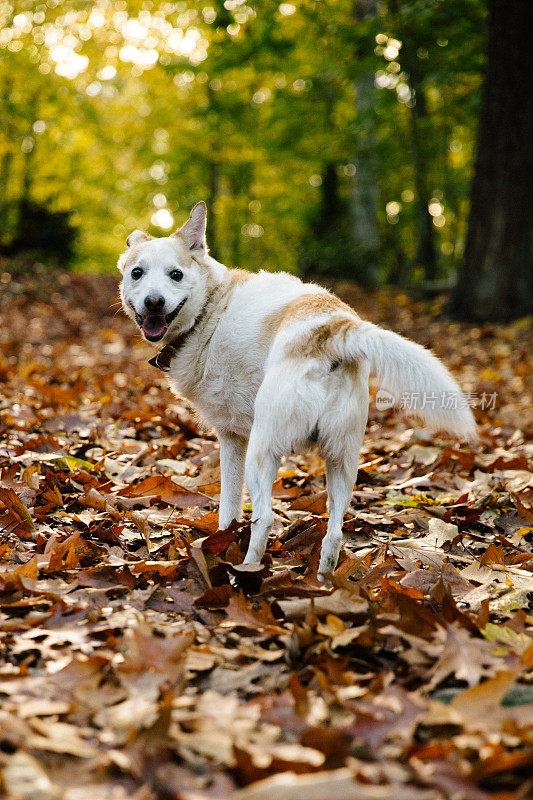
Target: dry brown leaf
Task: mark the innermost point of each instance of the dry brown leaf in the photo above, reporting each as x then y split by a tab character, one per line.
339	784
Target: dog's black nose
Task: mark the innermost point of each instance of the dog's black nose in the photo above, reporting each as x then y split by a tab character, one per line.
154	303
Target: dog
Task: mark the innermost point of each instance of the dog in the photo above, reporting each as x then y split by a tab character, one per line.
274	365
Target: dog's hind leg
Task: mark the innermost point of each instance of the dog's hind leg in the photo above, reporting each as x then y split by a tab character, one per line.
265	448
232	455
299	403
261	470
341	476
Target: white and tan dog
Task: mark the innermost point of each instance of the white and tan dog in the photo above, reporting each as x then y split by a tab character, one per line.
274	365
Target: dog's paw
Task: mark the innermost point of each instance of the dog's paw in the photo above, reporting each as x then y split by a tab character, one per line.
326	567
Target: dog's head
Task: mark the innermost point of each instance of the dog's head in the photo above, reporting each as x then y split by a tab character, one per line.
165	282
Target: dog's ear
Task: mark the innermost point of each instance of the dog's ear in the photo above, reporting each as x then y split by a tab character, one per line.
137	237
193	232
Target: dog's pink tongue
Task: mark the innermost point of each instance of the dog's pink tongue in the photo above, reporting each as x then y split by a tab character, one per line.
154	326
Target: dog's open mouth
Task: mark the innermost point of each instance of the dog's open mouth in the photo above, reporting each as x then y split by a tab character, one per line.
154	326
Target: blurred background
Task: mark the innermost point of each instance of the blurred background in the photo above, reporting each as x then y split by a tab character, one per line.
378	141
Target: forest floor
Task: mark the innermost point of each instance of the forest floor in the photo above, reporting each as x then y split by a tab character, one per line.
139	660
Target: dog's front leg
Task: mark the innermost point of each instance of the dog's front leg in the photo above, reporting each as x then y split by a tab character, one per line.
232	456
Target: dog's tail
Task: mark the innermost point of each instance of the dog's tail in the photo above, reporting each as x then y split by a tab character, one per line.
413	377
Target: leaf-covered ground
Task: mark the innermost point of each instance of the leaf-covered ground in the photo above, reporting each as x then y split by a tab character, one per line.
139	660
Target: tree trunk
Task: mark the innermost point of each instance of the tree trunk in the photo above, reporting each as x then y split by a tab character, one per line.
7	158
5	173
29	155
331	207
495	280
426	255
210	203
419	123
364	194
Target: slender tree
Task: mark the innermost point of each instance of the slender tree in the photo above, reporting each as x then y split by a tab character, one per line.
495	280
412	34
364	195
426	255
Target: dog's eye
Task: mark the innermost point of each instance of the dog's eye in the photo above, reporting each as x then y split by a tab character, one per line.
176	274
136	273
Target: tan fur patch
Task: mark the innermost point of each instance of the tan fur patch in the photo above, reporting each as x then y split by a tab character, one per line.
317	303
132	254
271	325
309	305
238	276
315	343
185	254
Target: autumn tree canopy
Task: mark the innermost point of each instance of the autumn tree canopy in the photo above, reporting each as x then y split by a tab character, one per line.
325	136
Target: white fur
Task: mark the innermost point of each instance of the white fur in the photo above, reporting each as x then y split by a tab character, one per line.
158	257
260	396
404	366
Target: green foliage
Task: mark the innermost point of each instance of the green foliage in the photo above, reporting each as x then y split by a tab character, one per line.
124	114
